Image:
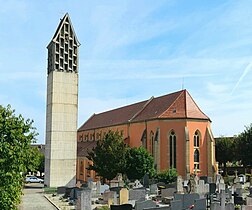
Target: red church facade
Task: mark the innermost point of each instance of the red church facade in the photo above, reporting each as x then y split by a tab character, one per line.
171	127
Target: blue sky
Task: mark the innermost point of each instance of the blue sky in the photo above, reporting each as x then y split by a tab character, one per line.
132	50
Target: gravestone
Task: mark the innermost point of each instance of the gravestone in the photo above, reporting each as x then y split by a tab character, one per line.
169	192
140	205
112	200
218	177
223	199
239	191
153	189
179	183
137	184
85	200
187	199
108	195
137	194
250	191
249	201
229	206
212	188
205	178
121	207
238	200
200	204
146	181
98	188
192	183
215	206
176	205
124	196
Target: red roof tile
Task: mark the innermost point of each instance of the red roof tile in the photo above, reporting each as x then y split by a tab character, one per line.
174	105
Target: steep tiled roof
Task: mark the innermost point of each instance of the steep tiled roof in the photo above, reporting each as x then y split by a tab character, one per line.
175	105
113	117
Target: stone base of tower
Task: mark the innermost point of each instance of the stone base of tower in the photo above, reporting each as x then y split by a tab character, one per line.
58	175
61	129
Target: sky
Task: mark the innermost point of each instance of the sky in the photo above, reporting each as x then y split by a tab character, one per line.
132	50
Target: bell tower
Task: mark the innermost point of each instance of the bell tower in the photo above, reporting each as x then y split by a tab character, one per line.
62	106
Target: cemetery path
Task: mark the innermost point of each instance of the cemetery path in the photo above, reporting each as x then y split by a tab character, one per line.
33	198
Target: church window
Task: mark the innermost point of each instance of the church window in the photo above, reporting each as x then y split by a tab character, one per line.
172	149
196	143
152	143
144	139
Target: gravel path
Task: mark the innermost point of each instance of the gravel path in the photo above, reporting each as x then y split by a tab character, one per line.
33	198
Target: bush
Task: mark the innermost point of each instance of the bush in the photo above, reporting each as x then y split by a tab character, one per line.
167	176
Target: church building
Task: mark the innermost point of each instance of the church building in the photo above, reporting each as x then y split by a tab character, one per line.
171	127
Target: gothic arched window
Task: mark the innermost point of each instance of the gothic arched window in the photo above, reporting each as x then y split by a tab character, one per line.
196	144
172	149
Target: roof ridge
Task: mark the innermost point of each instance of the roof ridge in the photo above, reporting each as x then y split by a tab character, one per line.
137	113
172	102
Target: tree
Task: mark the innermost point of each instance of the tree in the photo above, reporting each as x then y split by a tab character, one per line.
244	146
138	162
167	176
225	150
16	135
108	157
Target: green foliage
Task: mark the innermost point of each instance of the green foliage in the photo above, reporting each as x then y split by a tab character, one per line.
108	156
167	176
244	146
16	155
37	161
138	162
225	149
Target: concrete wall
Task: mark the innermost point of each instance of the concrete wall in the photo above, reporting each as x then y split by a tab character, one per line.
61	129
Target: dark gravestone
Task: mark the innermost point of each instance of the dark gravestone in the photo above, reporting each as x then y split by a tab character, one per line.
200	204
140	205
61	190
121	207
176	205
146	181
212	188
205	178
238	200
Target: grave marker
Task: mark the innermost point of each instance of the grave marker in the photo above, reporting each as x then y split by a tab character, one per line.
124	196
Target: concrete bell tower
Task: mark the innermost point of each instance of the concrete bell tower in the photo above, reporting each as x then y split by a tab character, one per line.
62	106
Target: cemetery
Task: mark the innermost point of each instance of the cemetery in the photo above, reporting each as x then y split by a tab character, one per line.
198	193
